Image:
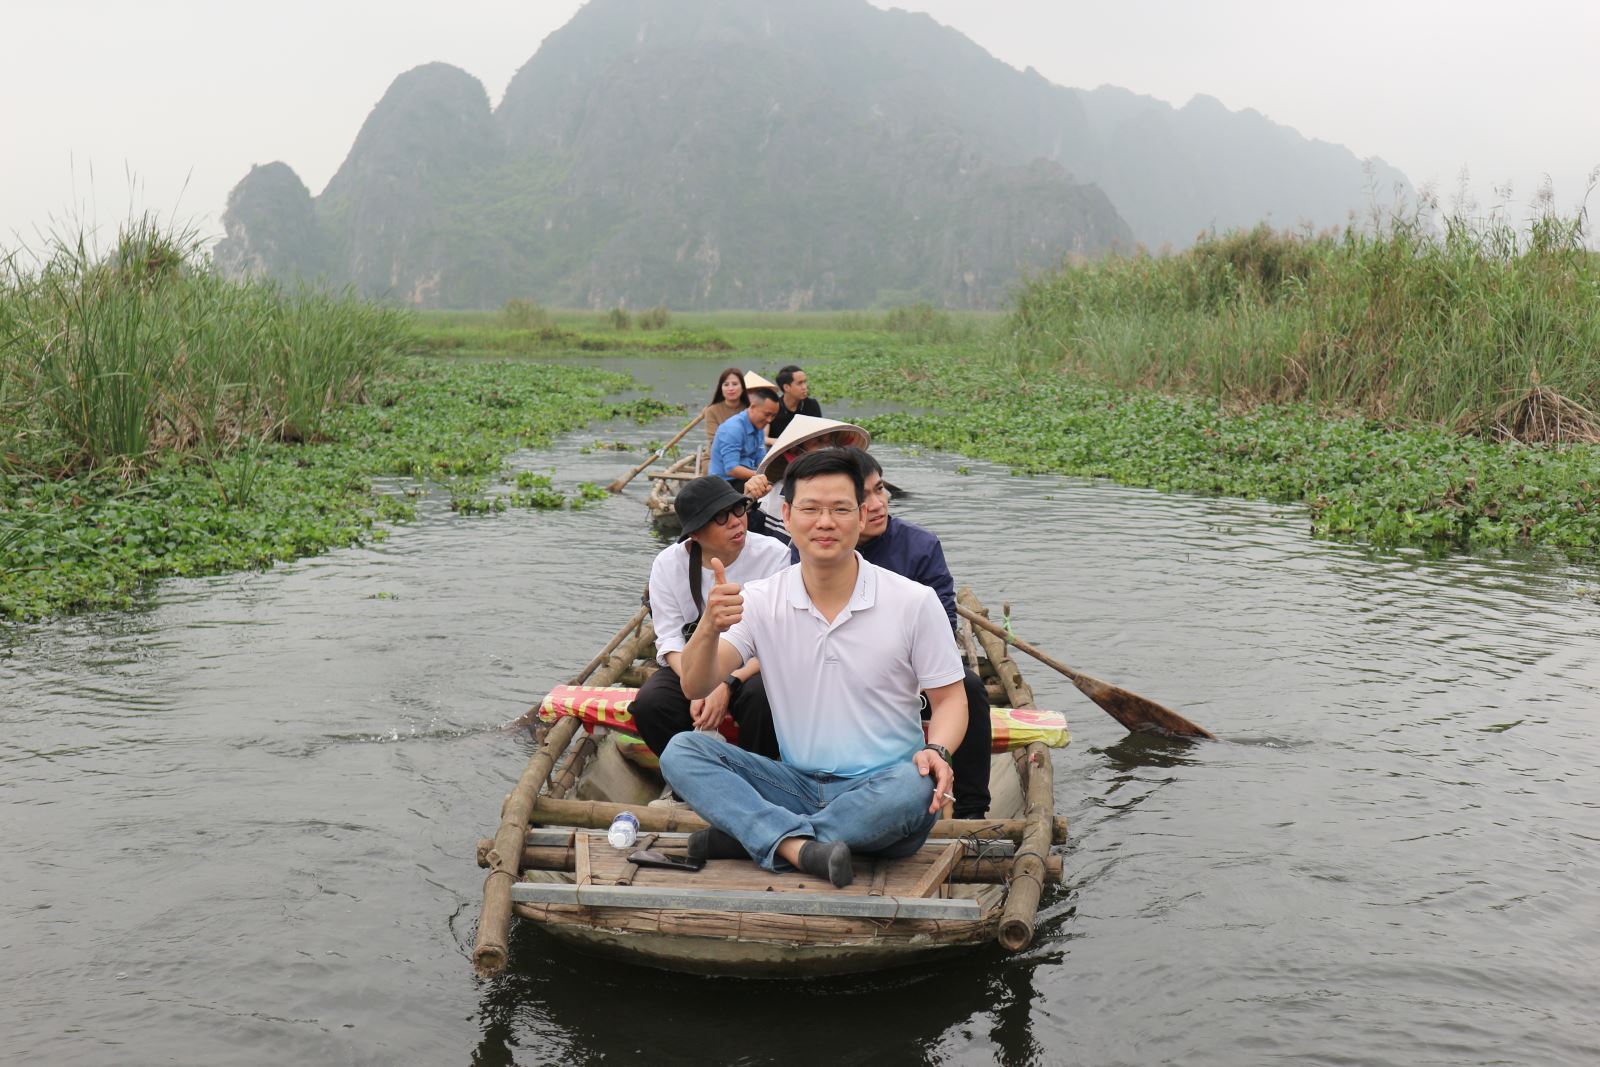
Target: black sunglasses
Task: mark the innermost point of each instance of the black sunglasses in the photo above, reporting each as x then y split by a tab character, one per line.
736	511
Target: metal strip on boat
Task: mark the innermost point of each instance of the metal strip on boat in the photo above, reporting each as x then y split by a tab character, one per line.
822	903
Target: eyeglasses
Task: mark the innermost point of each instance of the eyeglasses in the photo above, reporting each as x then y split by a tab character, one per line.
736	511
813	512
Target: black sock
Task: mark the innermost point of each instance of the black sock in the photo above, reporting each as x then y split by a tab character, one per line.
830	861
714	844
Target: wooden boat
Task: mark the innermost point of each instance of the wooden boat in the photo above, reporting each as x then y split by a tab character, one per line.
976	881
664	487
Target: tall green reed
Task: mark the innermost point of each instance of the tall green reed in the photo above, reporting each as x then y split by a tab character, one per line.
1400	321
142	349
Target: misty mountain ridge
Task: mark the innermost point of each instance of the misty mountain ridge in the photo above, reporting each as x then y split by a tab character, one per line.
759	154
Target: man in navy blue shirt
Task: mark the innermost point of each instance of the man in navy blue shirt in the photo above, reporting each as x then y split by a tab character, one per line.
915	553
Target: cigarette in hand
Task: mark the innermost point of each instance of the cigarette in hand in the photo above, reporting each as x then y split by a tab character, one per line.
947	796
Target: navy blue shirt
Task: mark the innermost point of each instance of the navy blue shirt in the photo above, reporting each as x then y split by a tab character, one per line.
911	552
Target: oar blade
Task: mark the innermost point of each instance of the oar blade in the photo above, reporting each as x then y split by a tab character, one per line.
1136	712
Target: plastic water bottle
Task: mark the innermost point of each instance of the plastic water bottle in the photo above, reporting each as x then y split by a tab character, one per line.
624	830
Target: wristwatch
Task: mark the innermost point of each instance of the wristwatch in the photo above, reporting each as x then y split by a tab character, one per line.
734	684
939	750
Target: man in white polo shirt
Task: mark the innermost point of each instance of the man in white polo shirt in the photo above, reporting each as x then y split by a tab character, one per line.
846	648
713	516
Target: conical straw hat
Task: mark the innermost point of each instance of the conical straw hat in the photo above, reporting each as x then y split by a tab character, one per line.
752	380
803	428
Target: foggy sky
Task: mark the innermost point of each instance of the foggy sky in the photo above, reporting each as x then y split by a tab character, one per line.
185	95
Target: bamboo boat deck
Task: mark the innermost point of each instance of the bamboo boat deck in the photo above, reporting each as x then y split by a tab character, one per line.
976	881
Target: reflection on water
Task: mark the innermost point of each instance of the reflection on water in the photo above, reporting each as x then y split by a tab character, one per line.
241	820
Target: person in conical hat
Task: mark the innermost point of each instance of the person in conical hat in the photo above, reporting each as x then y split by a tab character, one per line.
803	434
753	381
806	433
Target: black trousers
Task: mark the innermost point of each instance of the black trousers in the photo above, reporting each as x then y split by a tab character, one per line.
970	762
661	712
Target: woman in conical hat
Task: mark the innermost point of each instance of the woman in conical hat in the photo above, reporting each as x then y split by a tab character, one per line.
805	433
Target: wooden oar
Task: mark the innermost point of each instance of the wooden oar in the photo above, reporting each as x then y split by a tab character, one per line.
617	486
1130	709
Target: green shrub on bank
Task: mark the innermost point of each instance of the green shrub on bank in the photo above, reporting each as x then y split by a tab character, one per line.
1401	323
109	360
655	318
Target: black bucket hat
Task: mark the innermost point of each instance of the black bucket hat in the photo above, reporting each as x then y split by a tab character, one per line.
700	500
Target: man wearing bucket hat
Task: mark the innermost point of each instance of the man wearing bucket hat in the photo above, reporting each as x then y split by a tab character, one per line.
742	440
713	515
803	434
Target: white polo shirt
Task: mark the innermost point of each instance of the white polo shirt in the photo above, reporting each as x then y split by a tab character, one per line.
672	604
844	694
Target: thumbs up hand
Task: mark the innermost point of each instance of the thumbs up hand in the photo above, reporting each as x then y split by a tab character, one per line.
725	605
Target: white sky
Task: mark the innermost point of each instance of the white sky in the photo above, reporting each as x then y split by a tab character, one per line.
185	95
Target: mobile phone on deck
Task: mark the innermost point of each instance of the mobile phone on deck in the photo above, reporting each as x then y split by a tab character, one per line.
649	857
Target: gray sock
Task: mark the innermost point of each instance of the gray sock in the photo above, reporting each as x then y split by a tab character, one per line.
830	861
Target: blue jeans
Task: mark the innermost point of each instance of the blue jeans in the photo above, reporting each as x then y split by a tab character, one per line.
762	802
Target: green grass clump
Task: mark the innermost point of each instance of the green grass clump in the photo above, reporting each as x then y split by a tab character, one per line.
1399	323
92	540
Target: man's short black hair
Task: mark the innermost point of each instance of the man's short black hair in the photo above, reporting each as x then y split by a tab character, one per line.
762	394
824	461
786	375
869	465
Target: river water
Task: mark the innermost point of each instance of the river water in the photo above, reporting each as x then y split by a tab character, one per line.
240	821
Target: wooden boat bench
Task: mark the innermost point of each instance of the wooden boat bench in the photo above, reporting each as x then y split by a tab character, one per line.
907	888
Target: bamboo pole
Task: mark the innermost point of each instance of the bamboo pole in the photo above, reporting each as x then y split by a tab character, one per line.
611	645
581	754
1017	691
597	815
969	647
618	485
490	952
1029	866
531	716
